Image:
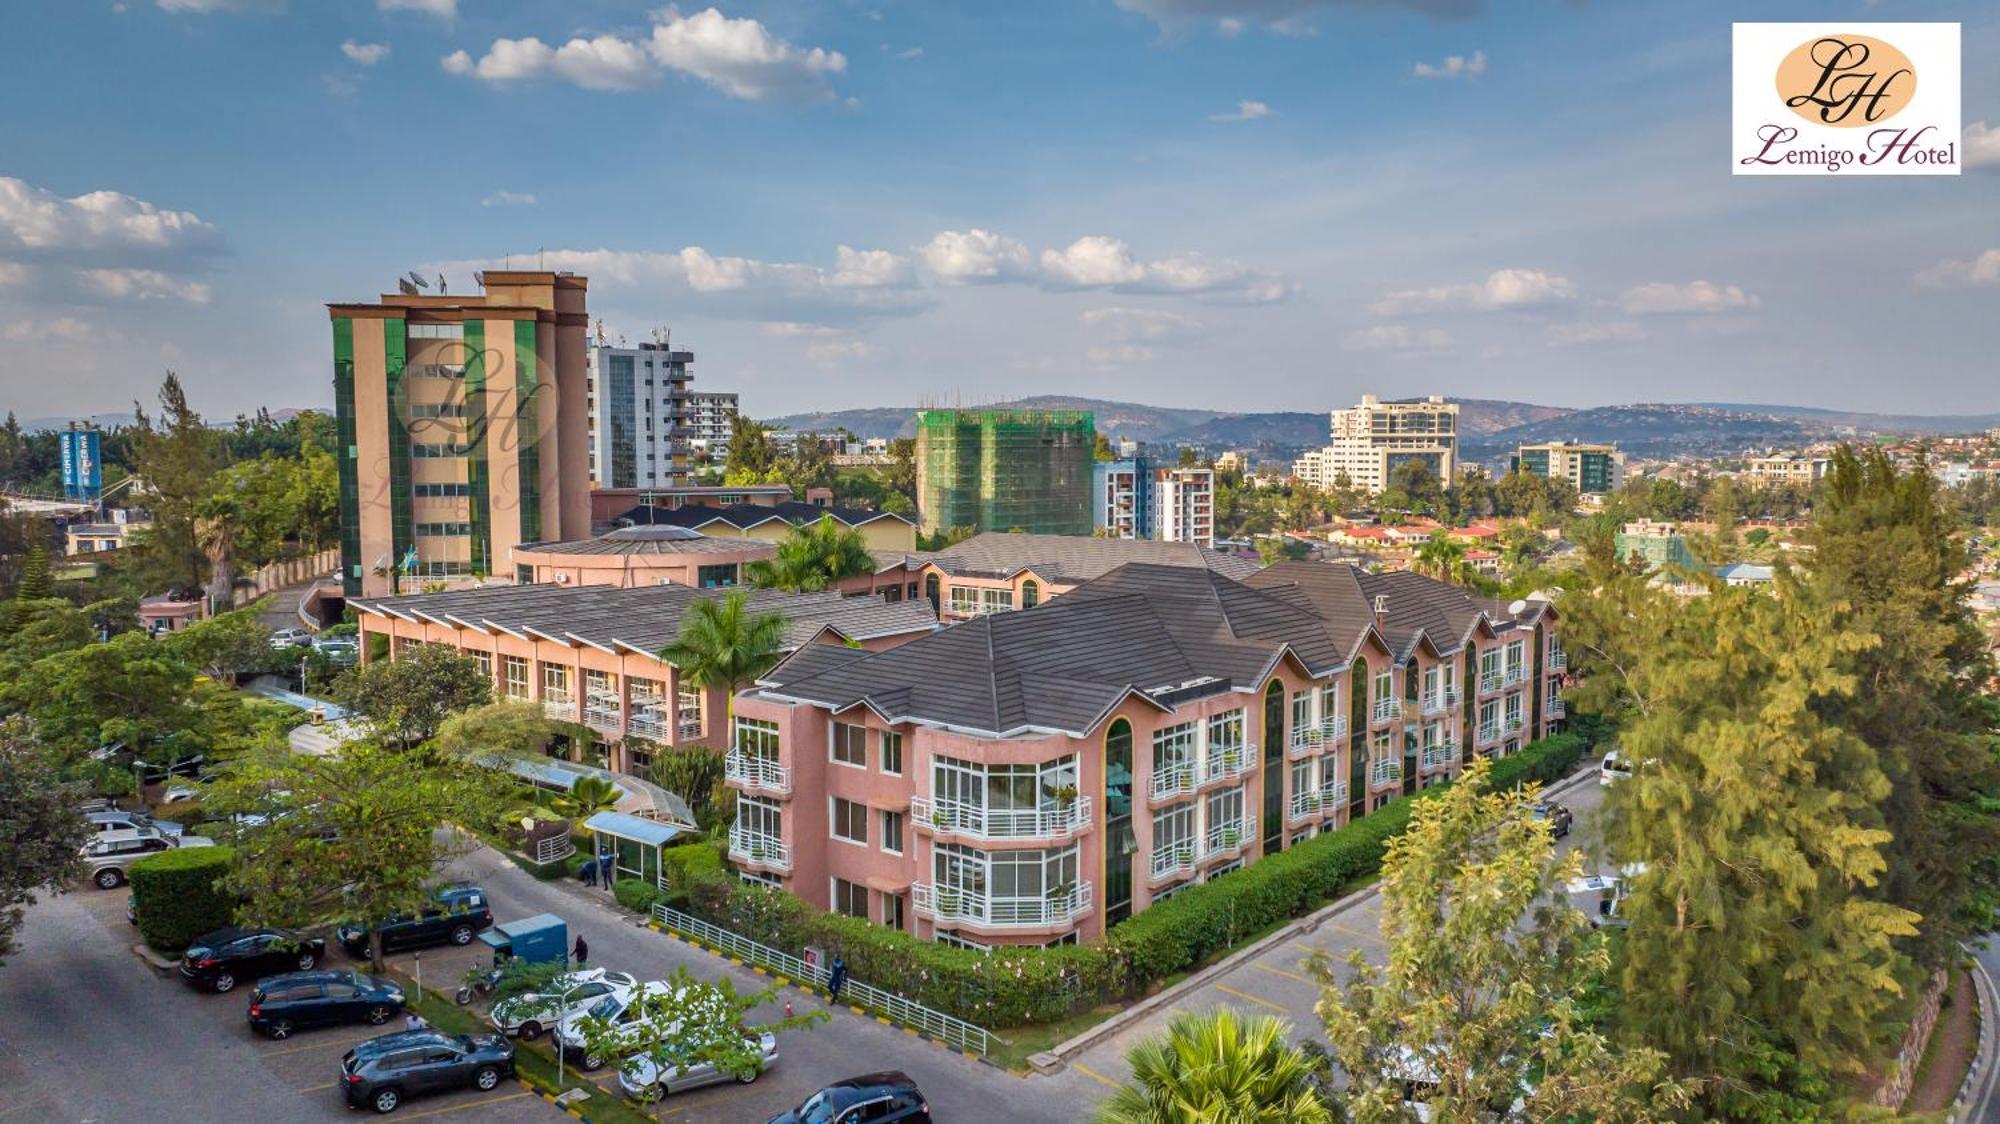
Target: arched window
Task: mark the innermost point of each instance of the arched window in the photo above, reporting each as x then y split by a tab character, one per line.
1031	595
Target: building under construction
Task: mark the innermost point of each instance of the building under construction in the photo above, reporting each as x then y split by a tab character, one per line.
1005	470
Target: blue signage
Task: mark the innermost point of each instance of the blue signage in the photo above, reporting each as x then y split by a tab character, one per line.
82	469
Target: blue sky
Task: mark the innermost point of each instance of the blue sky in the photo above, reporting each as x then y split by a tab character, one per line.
1238	204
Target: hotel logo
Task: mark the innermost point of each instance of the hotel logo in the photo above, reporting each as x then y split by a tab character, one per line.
1876	99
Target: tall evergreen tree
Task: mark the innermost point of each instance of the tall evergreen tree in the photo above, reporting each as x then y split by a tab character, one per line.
36	583
178	457
1884	547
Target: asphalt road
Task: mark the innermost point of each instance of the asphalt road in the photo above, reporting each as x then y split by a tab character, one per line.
1277	983
88	1033
960	1089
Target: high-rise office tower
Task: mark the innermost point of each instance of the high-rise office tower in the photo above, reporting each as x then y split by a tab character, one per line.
639	415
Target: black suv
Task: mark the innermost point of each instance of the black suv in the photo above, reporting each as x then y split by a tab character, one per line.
382	1073
455	914
890	1096
220	960
302	1000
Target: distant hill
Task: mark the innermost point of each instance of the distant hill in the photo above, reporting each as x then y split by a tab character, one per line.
1873	423
1121	419
1656	431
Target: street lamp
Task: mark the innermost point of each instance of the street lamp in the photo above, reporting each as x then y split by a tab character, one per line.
562	1016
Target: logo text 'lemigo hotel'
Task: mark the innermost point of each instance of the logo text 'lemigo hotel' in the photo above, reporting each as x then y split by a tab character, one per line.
1868	99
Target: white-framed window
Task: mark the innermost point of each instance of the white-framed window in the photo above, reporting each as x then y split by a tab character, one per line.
1517	655
555	679
1025	787
1173	749
1302	709
484	660
760	878
947	937
850	821
1225	809
757	738
1225	730
892	832
1173	827
514	676
892	752
1385	685
759	816
1490	664
850	898
1303	779
850	744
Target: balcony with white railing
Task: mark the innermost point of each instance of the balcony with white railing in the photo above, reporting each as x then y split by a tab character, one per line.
1513	723
1306	739
1436	758
1517	674
647	721
751	771
603	712
1384	772
1310	803
690	727
1434	704
1173	859
758	849
1171	781
1452	698
950	905
1491	682
1226	763
1386	710
1489	732
1226	838
1558	660
975	821
558	704
1556	708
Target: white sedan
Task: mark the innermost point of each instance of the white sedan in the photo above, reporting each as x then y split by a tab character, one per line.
529	1015
650	1076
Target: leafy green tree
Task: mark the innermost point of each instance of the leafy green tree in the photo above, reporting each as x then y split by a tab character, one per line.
497	730
695	774
1443	557
751	451
227	645
407	698
690	1022
1416	480
812	558
1757	818
902	477
350	836
1486	975
127	690
1217	1067
723	644
587	797
178	456
41	832
1884	548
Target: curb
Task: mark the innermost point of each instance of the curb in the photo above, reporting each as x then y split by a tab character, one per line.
1981	1074
537	1088
160	965
782	982
1059	1055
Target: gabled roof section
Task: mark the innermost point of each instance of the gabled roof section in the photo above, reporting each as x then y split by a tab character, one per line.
747	515
1421	611
1071	559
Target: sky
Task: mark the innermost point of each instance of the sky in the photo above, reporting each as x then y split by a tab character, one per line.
1228	204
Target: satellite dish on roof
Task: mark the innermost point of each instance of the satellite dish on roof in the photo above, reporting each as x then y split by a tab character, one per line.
417	279
479	278
1517	608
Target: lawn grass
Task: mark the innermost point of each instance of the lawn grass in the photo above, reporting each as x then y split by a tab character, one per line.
534	1061
1012	1049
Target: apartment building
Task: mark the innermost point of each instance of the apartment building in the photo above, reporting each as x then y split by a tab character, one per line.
1137	499
1035	778
1371	439
639	429
1315	468
1003	470
590	654
771	522
711	421
463	425
998	572
1788	468
630	557
1184	510
1594	469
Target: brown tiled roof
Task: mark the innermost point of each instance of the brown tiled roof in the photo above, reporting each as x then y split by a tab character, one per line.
1074	558
647	541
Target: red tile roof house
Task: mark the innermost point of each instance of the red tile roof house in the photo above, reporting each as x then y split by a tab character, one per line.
1034	777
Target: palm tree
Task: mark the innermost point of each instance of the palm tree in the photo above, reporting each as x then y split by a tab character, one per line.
587	797
723	644
1217	1068
1443	557
813	558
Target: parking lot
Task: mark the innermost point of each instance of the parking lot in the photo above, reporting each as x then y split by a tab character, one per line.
89	1033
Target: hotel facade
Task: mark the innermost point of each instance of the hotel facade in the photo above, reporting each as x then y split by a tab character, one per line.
1037	777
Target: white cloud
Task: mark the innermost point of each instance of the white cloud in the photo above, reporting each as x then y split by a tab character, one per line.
1097	261
1982	270
833	352
792	329
740	57
1454	66
142	284
1982	145
210	7
1289	17
1128	325
63	329
509	199
1246	110
1502	289
1094	261
365	54
1397	339
961	257
910	54
443	9
1662	297
1114	355
98	223
1614	331
869	269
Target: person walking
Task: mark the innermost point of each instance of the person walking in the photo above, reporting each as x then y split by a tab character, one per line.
413	1021
582	951
836	979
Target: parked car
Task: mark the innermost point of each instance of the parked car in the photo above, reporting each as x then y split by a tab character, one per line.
873	1097
339	649
220	960
181	792
1559	818
382	1073
456	915
118	820
618	1008
296	1001
530	1014
657	1073
290	638
1613	769
109	856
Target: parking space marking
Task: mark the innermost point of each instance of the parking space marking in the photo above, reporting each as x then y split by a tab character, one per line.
1246	995
314	1046
1089	1072
319	1088
1287	975
466	1105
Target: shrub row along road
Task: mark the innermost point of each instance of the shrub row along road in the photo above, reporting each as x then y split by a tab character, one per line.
1276	982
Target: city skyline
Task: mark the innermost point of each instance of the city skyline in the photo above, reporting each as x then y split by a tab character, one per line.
853	205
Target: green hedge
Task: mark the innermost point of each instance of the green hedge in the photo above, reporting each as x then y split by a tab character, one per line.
1013	986
636	895
179	895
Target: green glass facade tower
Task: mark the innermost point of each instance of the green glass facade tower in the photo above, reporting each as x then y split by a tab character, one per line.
1005	470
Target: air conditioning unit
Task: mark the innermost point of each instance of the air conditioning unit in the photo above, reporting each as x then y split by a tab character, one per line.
562	579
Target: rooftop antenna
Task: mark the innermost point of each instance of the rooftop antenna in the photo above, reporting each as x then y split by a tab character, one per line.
479	278
440	284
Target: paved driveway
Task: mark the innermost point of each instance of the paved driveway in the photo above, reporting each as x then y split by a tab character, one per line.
88	1033
1276	982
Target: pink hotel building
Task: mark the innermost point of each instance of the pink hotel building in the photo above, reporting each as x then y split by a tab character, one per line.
1036	777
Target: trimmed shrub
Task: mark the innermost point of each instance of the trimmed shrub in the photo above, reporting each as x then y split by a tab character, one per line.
179	895
635	895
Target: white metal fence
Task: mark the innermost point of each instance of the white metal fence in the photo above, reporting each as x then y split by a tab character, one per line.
945	1028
